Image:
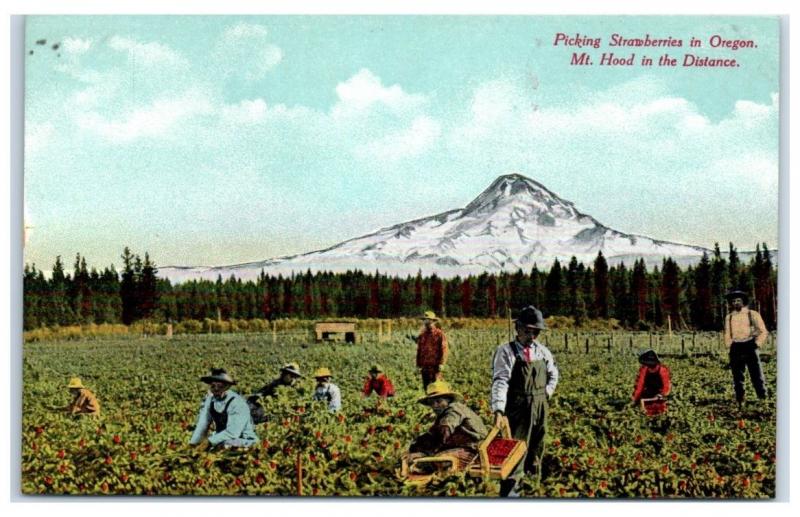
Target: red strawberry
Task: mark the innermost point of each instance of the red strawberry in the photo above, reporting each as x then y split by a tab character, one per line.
61	454
109	460
117	439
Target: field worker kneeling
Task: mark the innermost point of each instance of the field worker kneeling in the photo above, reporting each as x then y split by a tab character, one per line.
524	378
378	383
83	401
326	390
227	410
456	426
288	377
652	383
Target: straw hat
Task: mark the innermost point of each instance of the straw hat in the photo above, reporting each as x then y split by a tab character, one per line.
430	315
292	368
438	389
218	375
322	372
75	382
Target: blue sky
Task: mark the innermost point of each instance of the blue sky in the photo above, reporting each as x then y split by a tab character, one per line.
218	140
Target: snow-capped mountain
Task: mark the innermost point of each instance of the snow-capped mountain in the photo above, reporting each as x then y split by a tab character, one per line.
515	223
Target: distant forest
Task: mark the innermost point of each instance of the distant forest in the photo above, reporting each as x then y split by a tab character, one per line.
692	298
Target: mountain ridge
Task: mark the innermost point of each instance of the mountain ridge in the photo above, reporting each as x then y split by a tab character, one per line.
514	223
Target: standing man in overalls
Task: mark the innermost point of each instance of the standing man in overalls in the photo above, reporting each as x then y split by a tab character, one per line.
227	410
524	377
744	333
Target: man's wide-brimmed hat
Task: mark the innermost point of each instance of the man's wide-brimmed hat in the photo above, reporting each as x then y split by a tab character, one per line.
649	358
436	390
218	375
75	382
322	372
430	315
736	293
532	317
376	368
292	368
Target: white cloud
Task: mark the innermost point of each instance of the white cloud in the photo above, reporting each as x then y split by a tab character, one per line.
365	90
147	54
244	31
405	143
246	112
156	119
244	51
76	45
37	136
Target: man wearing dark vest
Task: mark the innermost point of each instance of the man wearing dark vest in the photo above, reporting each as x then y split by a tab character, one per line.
744	334
227	410
524	377
288	377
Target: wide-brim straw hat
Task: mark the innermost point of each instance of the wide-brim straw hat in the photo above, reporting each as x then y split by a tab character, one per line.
649	358
292	368
436	390
322	372
75	382
430	315
218	375
531	317
736	293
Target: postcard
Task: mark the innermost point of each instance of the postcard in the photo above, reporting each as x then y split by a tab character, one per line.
461	256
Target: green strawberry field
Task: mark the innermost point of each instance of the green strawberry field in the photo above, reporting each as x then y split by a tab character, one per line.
598	444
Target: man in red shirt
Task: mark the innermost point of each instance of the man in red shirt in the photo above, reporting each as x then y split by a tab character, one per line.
652	383
431	350
378	382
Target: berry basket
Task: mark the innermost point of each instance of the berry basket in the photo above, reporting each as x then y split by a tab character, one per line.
654	406
498	453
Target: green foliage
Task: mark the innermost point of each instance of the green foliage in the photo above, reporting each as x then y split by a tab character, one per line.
597	446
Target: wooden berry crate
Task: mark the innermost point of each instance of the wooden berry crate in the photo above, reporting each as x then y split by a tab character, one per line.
498	453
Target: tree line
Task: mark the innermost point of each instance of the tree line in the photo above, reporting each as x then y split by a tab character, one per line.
638	298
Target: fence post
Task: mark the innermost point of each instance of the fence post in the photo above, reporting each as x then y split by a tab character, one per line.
608	345
683	345
651	339
274	331
630	343
587	345
566	341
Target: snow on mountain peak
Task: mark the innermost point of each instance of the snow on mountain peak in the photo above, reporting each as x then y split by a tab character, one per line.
531	197
514	223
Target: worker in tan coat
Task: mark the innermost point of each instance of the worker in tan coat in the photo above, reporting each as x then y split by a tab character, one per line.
83	401
744	333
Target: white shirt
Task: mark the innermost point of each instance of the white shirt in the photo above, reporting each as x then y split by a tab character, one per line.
503	365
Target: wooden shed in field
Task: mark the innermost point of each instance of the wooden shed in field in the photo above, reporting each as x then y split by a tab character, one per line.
335	331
